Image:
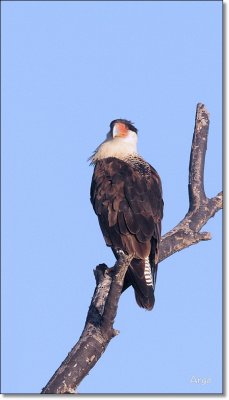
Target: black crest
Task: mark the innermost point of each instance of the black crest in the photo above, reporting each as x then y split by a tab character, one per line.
129	124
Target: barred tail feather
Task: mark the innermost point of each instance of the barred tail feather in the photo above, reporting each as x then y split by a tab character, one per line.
140	277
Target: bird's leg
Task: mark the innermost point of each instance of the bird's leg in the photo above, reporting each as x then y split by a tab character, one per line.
122	264
120	253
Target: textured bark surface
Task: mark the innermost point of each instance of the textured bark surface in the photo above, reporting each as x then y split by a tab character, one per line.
98	330
201	209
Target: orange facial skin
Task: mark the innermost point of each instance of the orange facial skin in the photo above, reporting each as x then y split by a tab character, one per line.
122	129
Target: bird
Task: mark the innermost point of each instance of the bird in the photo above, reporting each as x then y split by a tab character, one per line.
126	195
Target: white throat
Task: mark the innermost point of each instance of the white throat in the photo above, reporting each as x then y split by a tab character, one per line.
117	147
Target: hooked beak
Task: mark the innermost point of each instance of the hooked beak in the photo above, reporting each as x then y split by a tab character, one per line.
120	130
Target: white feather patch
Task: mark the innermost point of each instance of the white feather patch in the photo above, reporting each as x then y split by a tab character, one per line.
147	273
118	147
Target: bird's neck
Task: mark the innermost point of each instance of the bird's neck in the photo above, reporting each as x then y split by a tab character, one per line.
118	148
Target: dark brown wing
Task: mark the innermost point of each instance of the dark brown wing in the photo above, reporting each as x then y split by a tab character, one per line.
128	203
127	198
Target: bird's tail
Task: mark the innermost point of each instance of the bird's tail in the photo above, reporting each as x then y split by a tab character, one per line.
139	275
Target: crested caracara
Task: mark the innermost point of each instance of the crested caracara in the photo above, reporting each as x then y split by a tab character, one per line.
126	195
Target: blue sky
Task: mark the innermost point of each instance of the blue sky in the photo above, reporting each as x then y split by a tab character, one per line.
68	69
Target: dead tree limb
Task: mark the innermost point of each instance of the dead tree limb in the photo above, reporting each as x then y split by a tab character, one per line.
201	208
98	330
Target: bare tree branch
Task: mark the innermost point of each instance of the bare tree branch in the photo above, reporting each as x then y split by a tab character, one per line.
98	330
201	209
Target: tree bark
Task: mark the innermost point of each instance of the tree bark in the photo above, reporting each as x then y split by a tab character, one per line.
98	329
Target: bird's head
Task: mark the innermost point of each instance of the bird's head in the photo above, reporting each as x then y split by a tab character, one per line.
120	142
121	128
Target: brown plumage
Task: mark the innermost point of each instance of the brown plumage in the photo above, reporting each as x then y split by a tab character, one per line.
126	195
